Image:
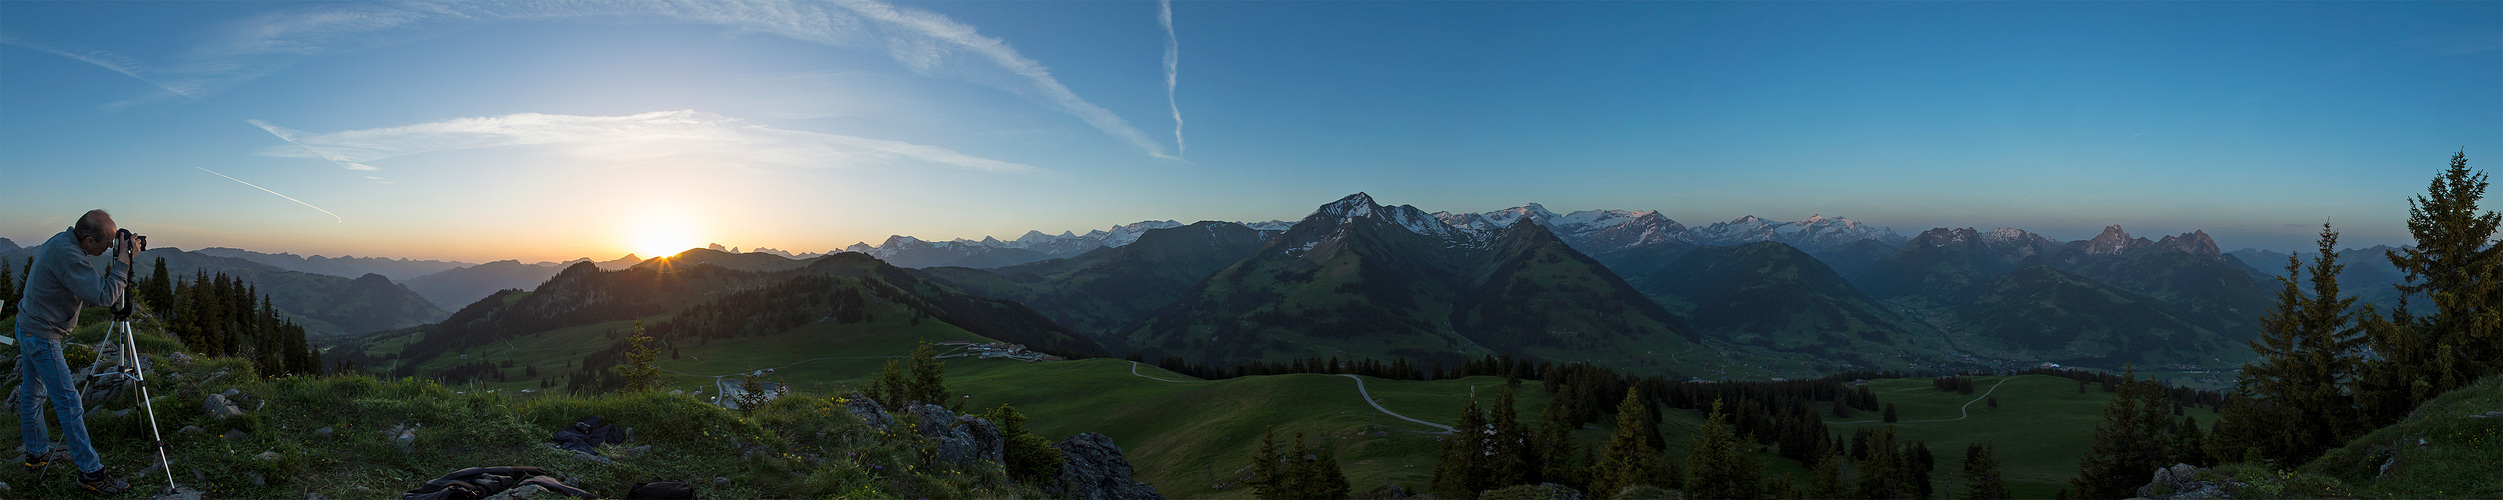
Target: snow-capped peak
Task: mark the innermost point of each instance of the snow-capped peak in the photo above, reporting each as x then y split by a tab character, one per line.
1354	205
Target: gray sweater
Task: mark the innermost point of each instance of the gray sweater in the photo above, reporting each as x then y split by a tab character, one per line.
61	282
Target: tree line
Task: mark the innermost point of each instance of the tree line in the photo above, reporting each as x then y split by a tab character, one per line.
2327	369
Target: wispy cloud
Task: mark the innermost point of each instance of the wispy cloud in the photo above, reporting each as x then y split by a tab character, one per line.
685	135
263	189
927	43
107	60
1173	71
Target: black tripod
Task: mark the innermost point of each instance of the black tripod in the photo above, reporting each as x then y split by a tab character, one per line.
130	359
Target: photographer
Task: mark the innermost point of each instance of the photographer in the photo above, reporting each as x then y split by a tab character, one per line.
61	282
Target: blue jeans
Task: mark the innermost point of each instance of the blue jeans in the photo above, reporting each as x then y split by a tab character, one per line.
46	373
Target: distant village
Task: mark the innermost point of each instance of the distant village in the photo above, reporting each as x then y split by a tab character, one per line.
997	350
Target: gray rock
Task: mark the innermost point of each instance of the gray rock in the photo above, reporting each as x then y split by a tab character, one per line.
231	392
192	429
2180	482
869	411
959	440
237	435
256	478
270	456
218	407
325	433
317	496
1092	468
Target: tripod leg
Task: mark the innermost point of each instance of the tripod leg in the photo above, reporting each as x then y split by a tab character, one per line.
130	343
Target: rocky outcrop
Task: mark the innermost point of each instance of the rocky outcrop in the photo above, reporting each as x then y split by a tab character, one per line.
2180	482
959	439
1092	468
868	411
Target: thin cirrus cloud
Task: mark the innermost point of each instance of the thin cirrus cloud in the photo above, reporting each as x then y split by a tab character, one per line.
925	42
1173	72
680	136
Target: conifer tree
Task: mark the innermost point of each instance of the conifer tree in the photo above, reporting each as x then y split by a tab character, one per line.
1509	453
1268	466
1825	477
1718	465
637	372
1630	459
1890	412
1560	460
1323	478
1884	472
1982	480
8	289
2303	368
1463	470
2133	441
2457	267
160	292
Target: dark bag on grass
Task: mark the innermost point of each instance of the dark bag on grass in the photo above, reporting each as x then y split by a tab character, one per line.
661	490
481	482
587	435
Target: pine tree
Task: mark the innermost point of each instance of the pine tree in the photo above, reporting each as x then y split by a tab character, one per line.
2133	441
1982	480
1268	467
8	289
1825	478
2303	364
1631	460
637	372
160	292
1884	472
1718	465
1462	471
1890	412
2456	266
1323	477
1509	453
1559	458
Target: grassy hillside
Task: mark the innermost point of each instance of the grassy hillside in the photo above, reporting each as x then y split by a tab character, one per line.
2448	448
2041	427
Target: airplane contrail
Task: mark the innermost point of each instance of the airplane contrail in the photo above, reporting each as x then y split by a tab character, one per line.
1173	62
289	198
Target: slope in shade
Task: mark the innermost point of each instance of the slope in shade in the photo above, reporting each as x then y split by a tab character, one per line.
1101	291
1358	279
1773	296
2052	315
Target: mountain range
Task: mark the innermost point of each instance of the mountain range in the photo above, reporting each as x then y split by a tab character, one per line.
1360	279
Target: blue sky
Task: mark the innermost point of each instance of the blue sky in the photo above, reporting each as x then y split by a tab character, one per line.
547	131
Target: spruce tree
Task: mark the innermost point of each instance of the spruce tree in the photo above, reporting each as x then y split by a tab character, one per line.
637	371
1883	471
2457	267
160	292
1630	459
1825	478
2303	367
2133	441
1718	464
8	289
1268	466
1462	470
1509	453
1323	477
1982	480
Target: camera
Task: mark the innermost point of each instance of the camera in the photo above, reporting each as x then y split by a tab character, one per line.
126	241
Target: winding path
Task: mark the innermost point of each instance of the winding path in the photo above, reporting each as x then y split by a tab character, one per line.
1959	410
1360	391
1368	399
